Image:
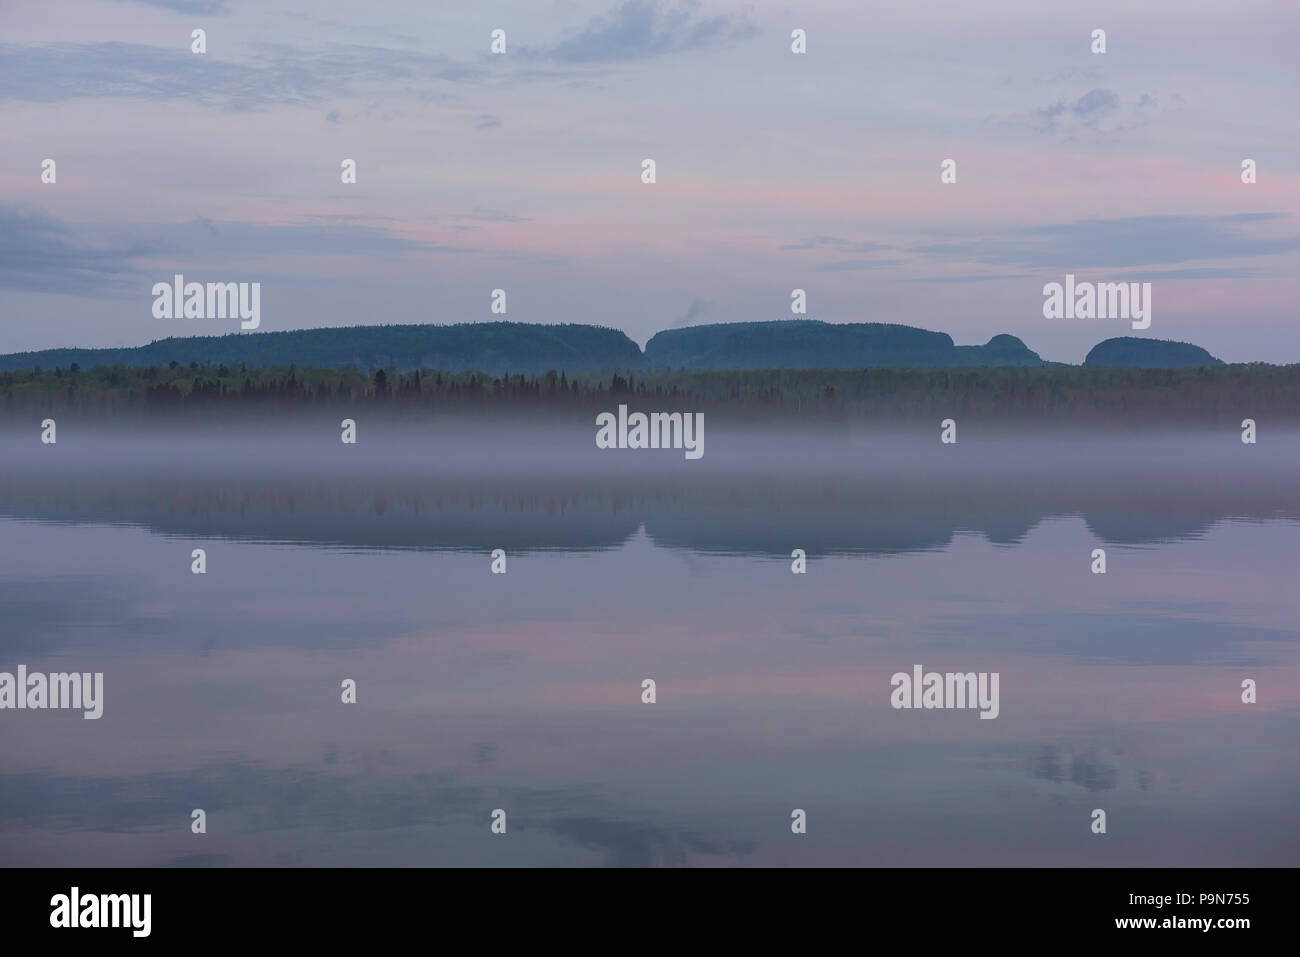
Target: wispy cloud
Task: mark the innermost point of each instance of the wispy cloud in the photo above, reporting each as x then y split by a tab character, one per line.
835	242
1193	272
205	239
271	74
61	71
984	277
199	7
1087	110
849	265
1137	241
1097	112
697	308
493	216
41	253
639	29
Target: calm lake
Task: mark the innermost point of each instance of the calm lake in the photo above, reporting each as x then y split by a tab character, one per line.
523	691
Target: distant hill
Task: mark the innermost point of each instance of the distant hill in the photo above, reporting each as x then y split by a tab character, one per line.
1148	354
1001	350
809	344
496	348
491	347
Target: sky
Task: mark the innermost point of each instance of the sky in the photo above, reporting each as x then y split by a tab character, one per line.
522	171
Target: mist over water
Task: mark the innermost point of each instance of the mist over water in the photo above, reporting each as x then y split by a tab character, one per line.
522	691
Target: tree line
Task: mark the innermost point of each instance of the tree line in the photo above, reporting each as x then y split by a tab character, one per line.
1101	394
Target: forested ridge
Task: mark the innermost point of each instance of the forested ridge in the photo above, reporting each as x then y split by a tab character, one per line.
501	348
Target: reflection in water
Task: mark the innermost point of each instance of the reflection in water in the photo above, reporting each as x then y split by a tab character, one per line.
480	691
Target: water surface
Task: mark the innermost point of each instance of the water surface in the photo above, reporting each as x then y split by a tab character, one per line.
523	691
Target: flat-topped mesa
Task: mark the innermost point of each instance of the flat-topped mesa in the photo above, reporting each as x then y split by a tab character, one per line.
810	344
497	348
494	348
